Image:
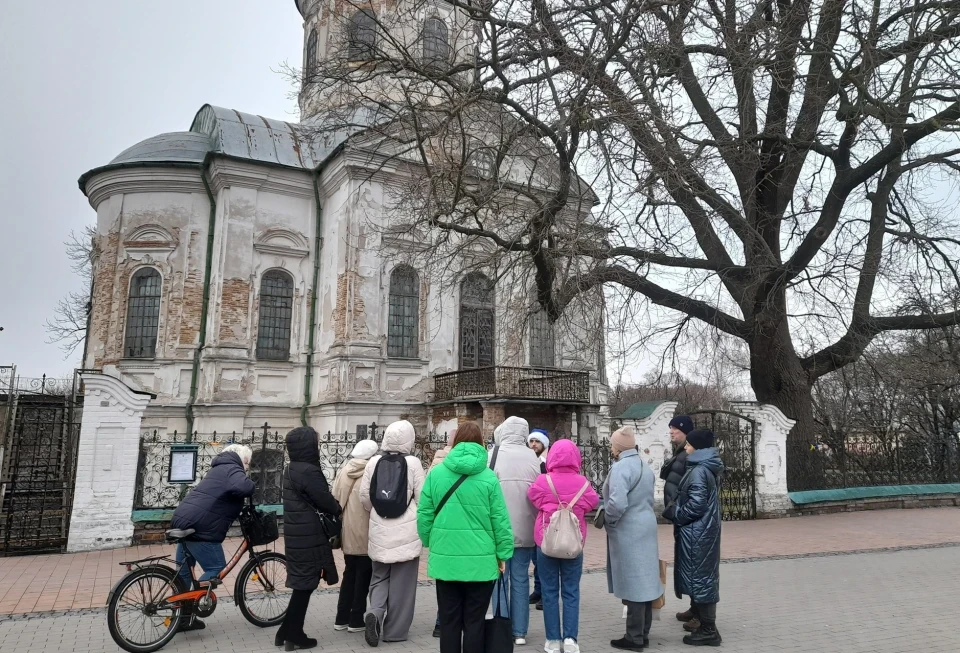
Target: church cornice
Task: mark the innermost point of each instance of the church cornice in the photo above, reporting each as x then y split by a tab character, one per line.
142	179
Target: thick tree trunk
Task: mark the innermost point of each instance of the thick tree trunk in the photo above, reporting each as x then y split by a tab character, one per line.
778	378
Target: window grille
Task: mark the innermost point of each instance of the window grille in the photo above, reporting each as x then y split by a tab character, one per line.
404	315
276	316
477	322
436	44
143	314
362	35
542	341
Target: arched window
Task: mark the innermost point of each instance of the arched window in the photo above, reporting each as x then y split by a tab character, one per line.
482	163
542	341
402	329
476	322
362	35
436	45
309	68
276	316
143	314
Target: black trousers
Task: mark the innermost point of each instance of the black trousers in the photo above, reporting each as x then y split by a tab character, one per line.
353	590
462	608
292	626
639	620
705	612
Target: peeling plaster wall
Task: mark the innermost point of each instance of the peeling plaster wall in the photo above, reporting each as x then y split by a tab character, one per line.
265	220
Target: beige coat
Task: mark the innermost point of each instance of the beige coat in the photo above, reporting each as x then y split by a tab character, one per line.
395	540
356	520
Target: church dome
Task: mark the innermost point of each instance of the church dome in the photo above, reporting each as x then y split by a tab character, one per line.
175	147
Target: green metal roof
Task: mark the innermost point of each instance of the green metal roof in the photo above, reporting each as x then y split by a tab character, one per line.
641	410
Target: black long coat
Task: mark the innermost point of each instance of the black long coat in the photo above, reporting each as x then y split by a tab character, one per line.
305	491
696	515
216	501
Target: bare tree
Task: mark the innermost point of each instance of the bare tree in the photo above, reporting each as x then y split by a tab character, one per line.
68	326
779	171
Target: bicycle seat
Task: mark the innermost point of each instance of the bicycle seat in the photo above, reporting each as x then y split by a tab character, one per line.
176	534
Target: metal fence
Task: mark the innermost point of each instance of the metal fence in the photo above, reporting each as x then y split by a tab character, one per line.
864	460
155	491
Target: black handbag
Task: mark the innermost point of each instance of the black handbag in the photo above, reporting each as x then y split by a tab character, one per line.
331	525
259	527
498	632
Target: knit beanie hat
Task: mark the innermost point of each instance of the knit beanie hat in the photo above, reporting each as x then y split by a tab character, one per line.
623	439
682	423
365	449
701	439
541	436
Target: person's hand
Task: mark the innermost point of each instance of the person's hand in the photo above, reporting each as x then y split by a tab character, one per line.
502	566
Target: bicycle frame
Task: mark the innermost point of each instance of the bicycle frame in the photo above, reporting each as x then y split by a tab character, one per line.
196	595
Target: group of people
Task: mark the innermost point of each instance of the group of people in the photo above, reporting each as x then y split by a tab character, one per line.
485	515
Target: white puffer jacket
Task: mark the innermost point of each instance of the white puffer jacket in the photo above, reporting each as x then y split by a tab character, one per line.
395	540
517	467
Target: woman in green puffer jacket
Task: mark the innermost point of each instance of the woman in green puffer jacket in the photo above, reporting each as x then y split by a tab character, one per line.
469	538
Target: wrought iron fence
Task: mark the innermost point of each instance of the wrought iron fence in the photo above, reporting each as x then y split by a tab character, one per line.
514	382
155	491
864	460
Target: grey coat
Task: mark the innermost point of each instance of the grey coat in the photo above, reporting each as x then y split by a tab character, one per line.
633	556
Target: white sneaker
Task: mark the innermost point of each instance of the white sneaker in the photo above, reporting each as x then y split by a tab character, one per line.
570	646
519	641
552	646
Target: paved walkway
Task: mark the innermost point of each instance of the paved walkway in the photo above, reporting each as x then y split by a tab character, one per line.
861	603
83	580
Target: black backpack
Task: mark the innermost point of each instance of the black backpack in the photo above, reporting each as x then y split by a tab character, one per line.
388	487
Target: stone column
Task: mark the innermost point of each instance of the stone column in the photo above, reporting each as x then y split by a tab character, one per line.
493	416
587	423
770	451
106	464
653	439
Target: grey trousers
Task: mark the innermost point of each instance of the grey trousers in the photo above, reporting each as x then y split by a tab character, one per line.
639	620
393	596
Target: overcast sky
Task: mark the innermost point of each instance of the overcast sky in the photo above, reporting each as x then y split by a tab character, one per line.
81	82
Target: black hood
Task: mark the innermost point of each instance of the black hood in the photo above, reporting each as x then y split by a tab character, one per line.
302	445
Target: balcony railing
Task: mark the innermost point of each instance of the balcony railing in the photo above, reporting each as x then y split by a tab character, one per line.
513	383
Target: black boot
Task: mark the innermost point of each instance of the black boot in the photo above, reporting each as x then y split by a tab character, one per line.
279	639
300	642
626	644
191	623
706	635
534	598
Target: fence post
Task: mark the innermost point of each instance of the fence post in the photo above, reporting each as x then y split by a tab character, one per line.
896	444
263	460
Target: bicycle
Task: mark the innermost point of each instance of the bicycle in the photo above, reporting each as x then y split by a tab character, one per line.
145	607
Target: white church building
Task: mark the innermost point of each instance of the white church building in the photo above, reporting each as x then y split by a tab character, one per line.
244	276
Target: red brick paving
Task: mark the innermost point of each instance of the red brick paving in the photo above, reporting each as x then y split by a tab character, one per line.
83	580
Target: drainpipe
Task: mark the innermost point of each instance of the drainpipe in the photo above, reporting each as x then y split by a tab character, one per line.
318	247
204	310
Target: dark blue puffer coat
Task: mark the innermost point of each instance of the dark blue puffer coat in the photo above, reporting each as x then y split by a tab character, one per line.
215	502
696	514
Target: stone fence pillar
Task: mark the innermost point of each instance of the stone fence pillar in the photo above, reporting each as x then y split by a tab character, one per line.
653	440
106	464
770	451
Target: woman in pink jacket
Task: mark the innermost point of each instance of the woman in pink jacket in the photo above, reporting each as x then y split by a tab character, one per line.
558	575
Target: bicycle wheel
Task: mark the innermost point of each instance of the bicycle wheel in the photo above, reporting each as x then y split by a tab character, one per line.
261	592
137	619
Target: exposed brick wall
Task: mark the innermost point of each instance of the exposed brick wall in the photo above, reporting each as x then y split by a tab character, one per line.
104	279
234	310
191	303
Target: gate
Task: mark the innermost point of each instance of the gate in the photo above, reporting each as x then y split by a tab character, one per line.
39	433
735	442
